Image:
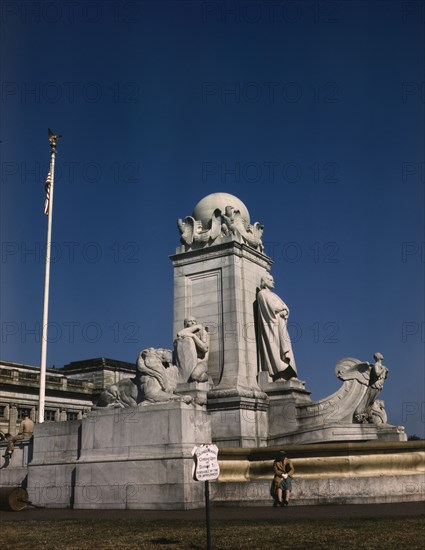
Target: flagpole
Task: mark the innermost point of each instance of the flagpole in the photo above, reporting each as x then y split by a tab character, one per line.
53	139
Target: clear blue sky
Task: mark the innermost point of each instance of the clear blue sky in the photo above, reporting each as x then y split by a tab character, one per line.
312	113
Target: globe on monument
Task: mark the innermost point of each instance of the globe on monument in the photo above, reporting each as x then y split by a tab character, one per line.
204	210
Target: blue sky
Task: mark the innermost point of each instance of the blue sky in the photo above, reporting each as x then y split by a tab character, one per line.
312	113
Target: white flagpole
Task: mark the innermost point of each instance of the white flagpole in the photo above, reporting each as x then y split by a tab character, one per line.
41	401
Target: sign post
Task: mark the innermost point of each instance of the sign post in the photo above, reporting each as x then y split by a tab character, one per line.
207	513
206	468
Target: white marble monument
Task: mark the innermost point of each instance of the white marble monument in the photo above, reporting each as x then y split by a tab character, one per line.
231	379
222	277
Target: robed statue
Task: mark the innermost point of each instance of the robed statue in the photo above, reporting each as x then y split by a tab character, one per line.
274	345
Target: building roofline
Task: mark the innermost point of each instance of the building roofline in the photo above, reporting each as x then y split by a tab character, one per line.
98	361
75	365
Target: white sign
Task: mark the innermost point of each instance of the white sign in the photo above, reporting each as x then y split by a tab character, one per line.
206	466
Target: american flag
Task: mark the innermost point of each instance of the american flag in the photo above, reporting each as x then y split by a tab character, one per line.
47	187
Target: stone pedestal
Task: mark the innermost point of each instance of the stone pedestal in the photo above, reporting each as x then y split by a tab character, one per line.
51	473
284	396
385	432
138	458
328	432
218	285
197	390
141	458
14	469
237	420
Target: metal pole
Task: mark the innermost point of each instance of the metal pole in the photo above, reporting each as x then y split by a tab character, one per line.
207	514
42	393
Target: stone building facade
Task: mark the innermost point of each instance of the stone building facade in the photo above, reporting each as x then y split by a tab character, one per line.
71	391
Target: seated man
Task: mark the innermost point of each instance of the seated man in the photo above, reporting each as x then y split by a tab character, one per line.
25	431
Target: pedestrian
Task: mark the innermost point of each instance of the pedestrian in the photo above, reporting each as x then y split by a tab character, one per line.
282	481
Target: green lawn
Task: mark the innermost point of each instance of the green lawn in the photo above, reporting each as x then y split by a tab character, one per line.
382	534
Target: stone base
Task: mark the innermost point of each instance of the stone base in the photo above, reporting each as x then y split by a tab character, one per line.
305	492
137	458
333	473
344	473
294	387
284	396
330	433
237	420
386	432
14	469
197	390
335	432
51	473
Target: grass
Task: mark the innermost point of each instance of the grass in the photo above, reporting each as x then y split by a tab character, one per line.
388	534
